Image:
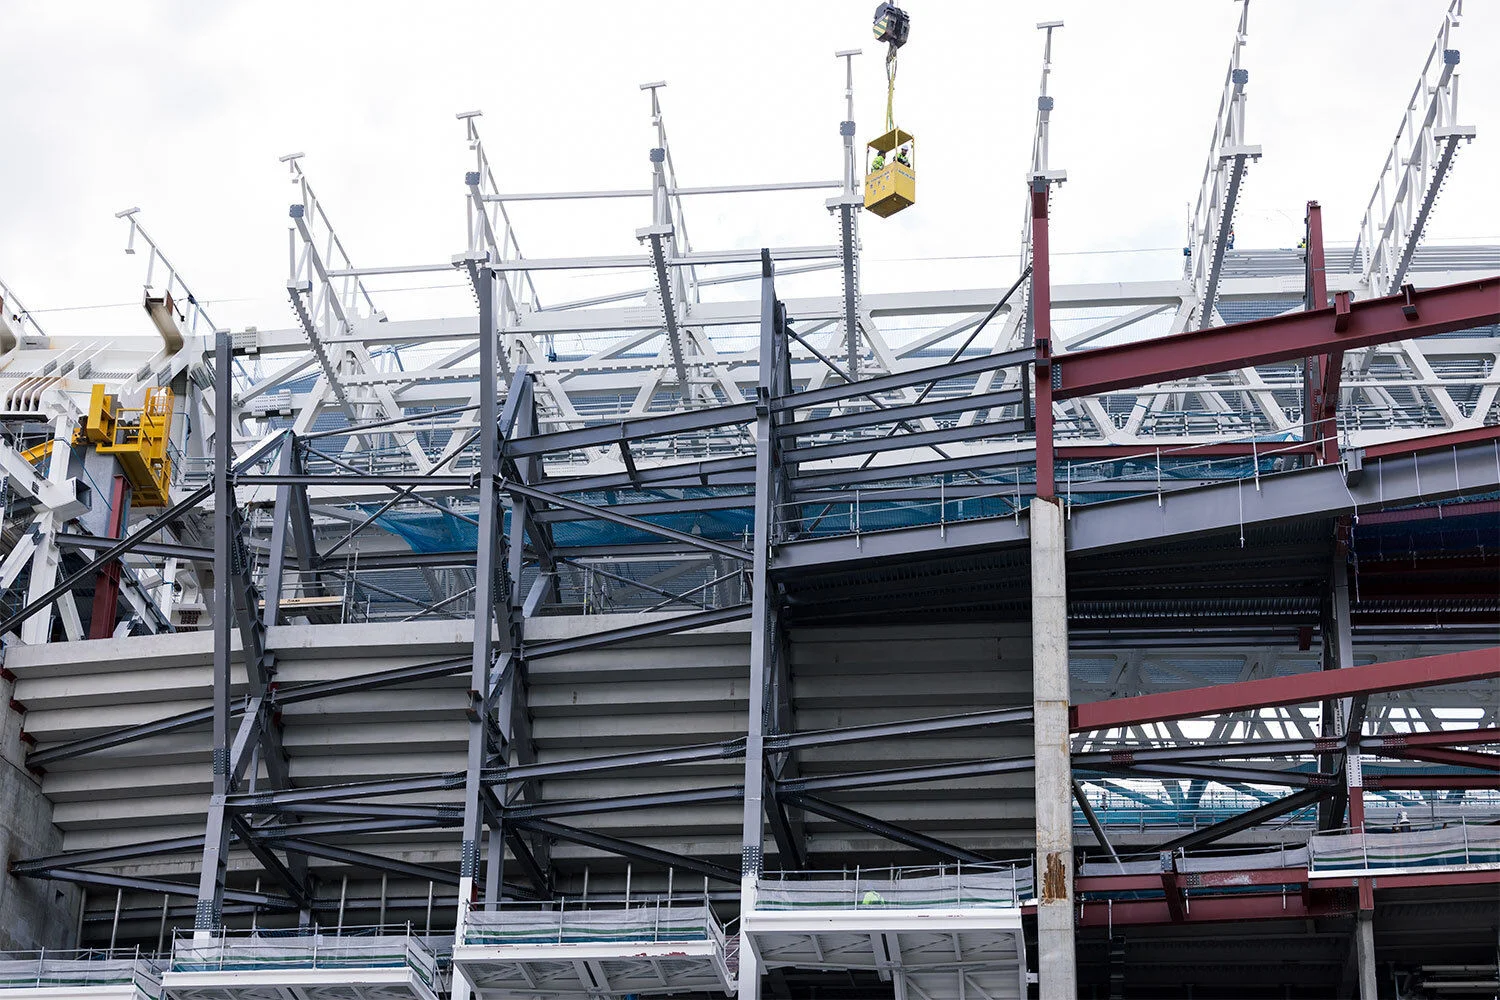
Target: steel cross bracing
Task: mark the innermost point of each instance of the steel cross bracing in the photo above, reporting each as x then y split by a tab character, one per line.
1415	168
450	770
1211	230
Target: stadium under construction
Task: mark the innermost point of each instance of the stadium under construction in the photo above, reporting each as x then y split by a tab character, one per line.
750	631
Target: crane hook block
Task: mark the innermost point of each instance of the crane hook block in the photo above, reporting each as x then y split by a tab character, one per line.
892	25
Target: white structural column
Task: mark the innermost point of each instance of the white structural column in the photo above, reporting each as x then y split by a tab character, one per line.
1054	789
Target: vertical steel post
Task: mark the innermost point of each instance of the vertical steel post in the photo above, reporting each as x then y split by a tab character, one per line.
486	557
210	907
281	524
1041	313
762	626
1324	372
107	582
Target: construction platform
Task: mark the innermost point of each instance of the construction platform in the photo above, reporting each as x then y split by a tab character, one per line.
931	933
649	947
86	974
318	966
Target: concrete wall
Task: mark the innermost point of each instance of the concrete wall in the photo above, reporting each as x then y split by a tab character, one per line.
33	914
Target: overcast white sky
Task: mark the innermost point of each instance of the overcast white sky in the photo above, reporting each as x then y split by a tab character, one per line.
183	107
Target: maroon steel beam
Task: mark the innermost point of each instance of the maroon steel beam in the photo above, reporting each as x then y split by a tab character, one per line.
1201	880
1408	314
1041	313
1325	370
1431	442
1271	692
1441	755
107	582
1413	880
1122	452
1214	909
1465	509
1457	737
1424	782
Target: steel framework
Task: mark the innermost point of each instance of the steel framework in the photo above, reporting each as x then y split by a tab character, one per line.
403	555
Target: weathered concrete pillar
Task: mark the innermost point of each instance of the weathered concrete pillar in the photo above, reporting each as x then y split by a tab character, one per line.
34	913
1054	784
1364	941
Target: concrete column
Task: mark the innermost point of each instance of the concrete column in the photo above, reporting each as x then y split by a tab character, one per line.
1364	947
34	913
1054	784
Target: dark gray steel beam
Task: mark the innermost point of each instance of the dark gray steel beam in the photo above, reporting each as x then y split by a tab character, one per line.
624	761
842	478
486	572
606	514
363	859
904	775
901	380
879	827
784	742
348	479
106	855
164	887
913	439
1246	820
164	550
215	865
290	694
629	849
734	471
282	800
604	435
597	640
668	505
620	803
1093	820
897	414
76	748
1255	775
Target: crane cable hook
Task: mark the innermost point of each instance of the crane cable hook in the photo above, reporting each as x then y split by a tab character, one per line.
892	25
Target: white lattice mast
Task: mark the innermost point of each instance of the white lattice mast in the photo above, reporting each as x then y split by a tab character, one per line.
332	304
847	206
1039	169
1212	228
1415	168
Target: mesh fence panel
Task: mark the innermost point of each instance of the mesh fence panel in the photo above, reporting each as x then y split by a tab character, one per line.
67	972
319	951
949	891
647	924
1455	845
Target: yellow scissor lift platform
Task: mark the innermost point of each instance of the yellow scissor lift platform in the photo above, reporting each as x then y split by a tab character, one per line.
137	438
893	186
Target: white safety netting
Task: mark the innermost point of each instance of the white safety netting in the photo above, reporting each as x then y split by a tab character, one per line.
311	951
650	923
1448	847
1286	857
946	891
62	973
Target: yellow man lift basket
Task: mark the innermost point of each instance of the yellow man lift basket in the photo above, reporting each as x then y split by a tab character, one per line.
892	186
137	437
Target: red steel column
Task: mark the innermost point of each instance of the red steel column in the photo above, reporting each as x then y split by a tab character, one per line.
107	583
1041	312
1325	371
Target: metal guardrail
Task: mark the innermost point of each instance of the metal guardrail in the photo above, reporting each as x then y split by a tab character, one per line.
1444	847
292	951
933	887
1153	470
644	921
71	969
